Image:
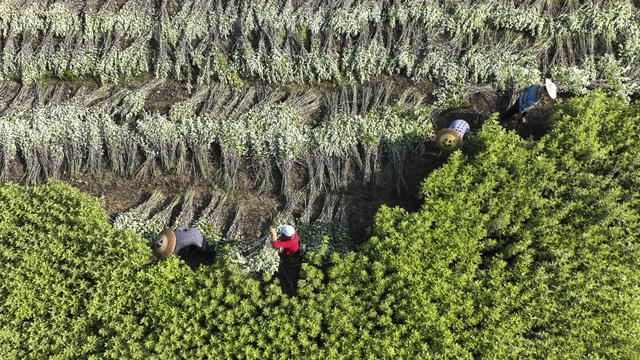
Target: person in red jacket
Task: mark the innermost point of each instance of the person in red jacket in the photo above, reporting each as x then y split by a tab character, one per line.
288	240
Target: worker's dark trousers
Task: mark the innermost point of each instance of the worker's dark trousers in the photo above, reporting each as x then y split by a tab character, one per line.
289	270
514	109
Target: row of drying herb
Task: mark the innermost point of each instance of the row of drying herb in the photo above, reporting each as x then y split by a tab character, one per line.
73	140
453	43
126	103
252	255
195	19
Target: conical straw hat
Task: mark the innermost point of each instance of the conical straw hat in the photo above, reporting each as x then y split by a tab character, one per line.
165	244
449	139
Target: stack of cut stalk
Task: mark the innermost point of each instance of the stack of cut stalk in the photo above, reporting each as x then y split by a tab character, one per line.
454	42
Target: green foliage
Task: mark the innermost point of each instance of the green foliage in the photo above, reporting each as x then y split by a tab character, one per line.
56	250
522	249
534	238
322	239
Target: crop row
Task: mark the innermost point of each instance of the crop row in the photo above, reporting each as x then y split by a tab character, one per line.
451	42
125	103
72	140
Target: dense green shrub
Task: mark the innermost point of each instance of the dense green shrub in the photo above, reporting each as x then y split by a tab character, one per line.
57	251
522	249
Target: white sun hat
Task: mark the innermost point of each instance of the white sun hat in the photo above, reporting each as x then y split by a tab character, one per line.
288	231
551	88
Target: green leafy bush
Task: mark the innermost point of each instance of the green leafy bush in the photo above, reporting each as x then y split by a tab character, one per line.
57	251
522	248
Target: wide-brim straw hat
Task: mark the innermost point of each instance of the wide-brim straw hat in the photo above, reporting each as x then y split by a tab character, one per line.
449	139
167	244
552	89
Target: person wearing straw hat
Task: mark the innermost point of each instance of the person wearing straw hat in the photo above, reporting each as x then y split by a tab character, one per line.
170	242
288	239
530	98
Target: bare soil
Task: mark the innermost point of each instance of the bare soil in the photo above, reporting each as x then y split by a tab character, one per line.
119	194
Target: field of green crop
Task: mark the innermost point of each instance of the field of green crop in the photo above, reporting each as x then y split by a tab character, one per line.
119	118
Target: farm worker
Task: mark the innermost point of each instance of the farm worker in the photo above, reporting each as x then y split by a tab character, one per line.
171	242
531	97
288	239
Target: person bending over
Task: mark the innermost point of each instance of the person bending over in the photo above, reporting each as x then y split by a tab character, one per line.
531	97
288	240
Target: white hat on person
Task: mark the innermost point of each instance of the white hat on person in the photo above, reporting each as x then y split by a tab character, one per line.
288	231
551	88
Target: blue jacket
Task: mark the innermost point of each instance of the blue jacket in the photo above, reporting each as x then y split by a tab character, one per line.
531	97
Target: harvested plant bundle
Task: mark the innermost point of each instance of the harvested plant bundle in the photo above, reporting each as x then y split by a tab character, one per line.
454	43
73	140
